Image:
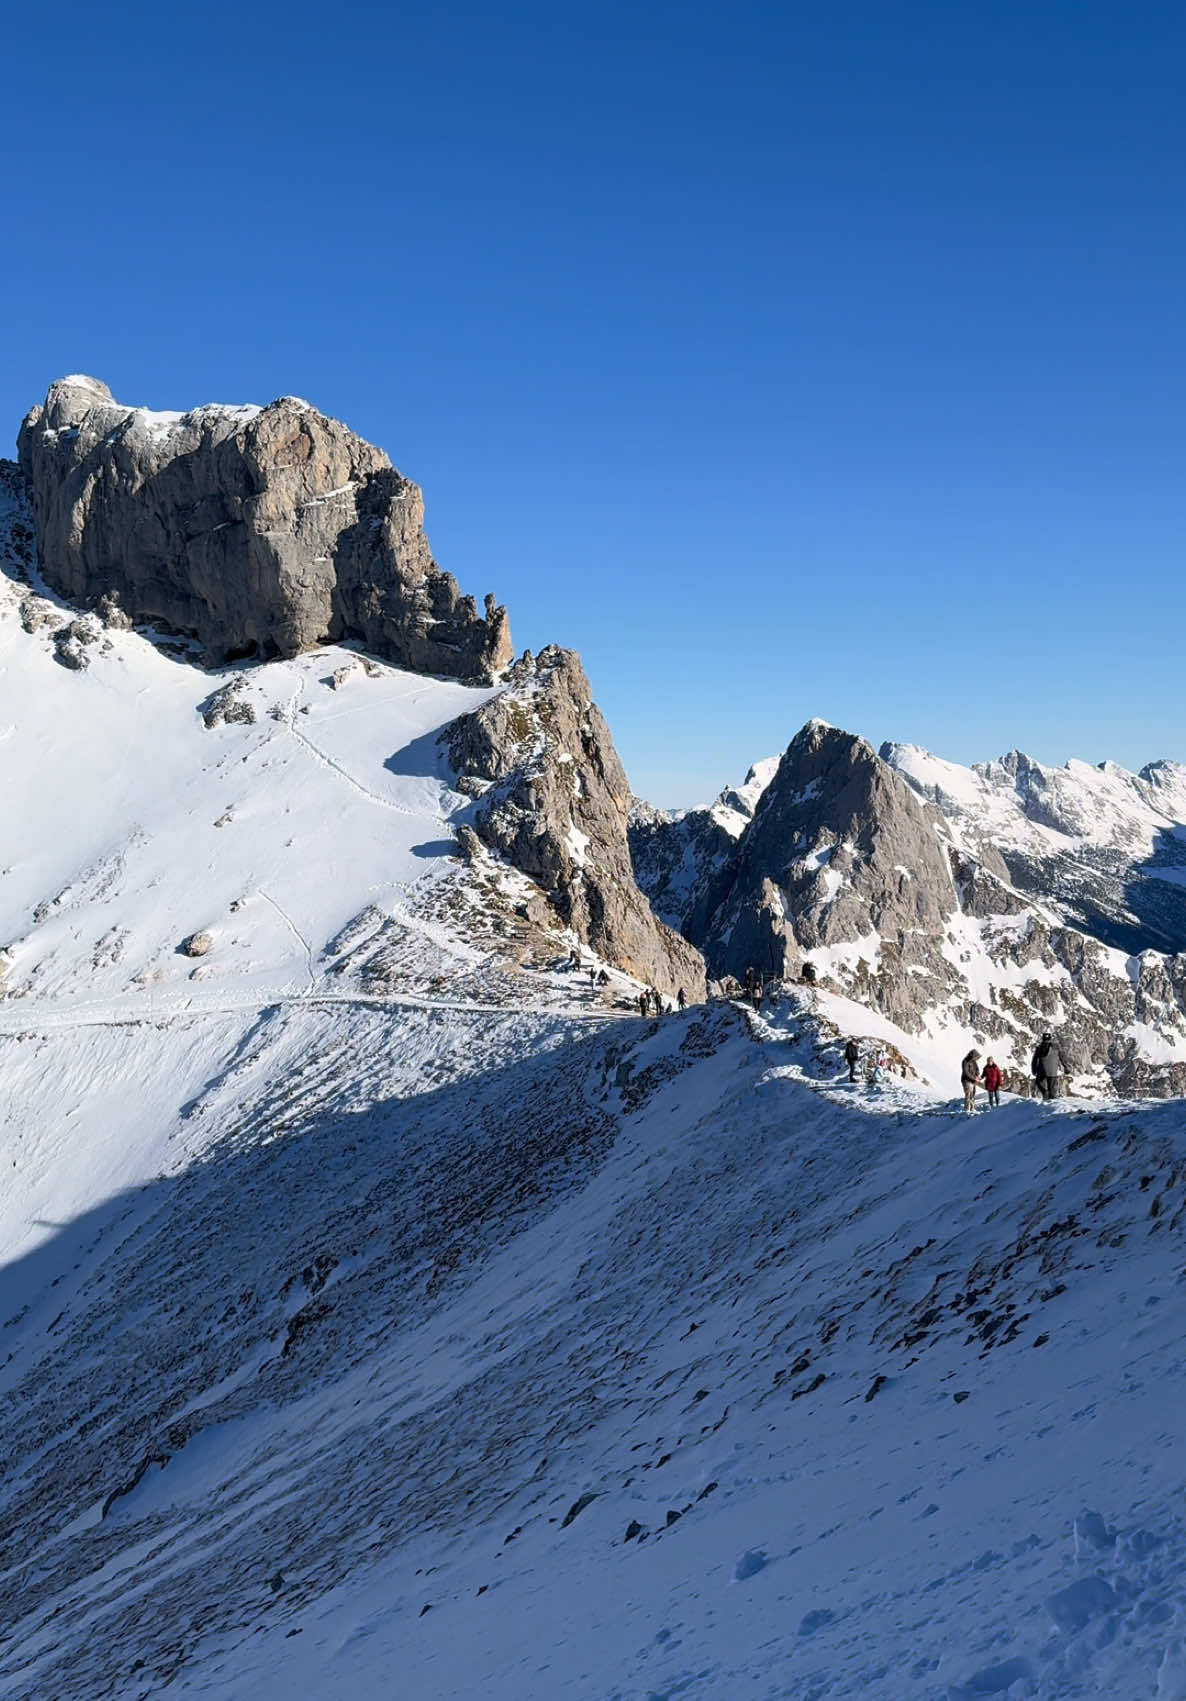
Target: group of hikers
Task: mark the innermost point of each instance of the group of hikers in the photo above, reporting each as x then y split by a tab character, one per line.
651	1004
1047	1066
755	988
877	1064
650	1000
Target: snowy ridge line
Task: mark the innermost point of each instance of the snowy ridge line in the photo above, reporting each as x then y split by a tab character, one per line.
752	1395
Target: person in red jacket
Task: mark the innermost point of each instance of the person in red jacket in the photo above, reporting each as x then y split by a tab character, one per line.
992	1081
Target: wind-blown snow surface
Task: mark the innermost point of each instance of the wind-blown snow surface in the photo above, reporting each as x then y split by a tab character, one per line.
366	1393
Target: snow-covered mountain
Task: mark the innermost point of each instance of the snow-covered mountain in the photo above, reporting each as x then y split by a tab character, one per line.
387	1307
967	906
1105	847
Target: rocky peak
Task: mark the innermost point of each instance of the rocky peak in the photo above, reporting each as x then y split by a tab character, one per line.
839	848
553	799
256	531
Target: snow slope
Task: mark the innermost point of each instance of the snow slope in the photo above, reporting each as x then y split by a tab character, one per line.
495	1358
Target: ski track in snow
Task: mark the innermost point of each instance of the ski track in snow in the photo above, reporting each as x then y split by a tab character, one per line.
336	767
297	935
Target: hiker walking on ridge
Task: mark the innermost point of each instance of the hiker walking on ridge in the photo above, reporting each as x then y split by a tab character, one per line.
682	999
969	1077
851	1057
992	1081
1048	1064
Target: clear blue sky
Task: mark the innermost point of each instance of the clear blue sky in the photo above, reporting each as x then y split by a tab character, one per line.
785	359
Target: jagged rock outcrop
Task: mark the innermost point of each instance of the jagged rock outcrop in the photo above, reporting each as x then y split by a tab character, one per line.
839	851
256	531
553	799
855	865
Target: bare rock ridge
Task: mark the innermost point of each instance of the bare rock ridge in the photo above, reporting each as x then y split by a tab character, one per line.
553	799
256	531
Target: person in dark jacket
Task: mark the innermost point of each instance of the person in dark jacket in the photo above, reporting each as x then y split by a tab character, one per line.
969	1078
992	1081
1047	1066
682	999
852	1056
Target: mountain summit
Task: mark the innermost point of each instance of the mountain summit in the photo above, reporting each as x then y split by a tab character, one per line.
256	531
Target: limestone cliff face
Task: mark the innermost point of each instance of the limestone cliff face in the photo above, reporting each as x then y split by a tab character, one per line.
839	850
256	531
553	800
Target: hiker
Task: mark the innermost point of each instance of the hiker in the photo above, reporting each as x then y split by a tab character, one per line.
592	977
757	995
657	1001
749	982
969	1076
852	1056
682	999
644	1003
1047	1066
992	1080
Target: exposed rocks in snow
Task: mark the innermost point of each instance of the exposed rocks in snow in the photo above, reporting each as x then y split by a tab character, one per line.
112	615
555	803
73	643
256	531
197	944
228	706
36	613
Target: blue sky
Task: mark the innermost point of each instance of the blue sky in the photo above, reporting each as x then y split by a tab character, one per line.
783	359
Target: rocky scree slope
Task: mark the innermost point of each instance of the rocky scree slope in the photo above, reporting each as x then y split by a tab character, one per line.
554	801
846	862
256	531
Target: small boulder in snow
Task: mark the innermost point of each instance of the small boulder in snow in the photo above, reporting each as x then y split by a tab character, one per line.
227	706
197	944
